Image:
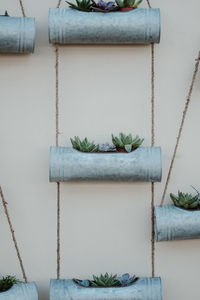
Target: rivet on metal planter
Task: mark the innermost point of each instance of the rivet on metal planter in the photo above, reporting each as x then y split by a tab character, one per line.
21	291
68	164
144	288
174	223
70	26
17	34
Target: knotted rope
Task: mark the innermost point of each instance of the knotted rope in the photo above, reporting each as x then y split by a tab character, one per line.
152	144
13	234
188	100
57	144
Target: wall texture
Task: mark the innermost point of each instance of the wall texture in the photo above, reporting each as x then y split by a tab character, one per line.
103	89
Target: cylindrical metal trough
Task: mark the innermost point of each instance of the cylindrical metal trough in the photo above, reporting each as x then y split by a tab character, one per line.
174	223
21	291
70	26
68	164
144	289
17	35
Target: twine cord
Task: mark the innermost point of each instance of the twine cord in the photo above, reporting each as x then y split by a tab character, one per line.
58	230
57	144
13	234
188	100
57	96
22	8
149	5
152	144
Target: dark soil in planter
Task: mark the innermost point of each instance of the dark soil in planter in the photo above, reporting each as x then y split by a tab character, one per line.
78	281
190	209
96	9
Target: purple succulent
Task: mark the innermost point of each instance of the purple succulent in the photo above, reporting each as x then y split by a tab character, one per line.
103	6
126	279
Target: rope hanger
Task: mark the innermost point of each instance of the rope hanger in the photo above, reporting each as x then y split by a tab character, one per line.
152	144
22	8
188	100
57	144
13	234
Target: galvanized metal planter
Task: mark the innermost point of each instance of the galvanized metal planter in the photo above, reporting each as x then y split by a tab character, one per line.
144	289
70	26
68	164
21	291
174	223
17	35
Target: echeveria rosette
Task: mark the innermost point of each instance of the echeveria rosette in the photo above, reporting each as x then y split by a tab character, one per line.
126	143
103	6
83	5
185	200
128	3
126	279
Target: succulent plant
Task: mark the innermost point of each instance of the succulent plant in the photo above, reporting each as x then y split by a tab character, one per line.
84	146
84	5
7	282
84	283
126	279
107	147
187	201
107	280
128	3
103	6
126	143
6	14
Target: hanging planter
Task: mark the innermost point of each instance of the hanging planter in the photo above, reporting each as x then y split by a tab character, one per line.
71	26
174	223
180	221
21	291
144	288
68	164
17	35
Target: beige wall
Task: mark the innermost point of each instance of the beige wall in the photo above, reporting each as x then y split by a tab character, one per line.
105	226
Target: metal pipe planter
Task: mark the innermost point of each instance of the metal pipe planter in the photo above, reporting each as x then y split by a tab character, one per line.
17	35
21	291
68	164
174	223
70	26
144	289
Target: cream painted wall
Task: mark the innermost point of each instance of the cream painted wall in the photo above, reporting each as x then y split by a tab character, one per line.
105	227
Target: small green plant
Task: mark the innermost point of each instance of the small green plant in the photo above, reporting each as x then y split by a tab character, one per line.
187	201
84	146
84	5
126	143
107	280
128	3
7	282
